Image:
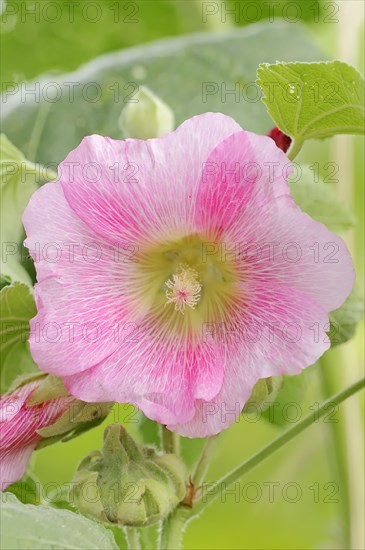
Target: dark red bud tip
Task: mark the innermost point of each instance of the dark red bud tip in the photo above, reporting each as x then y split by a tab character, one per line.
282	140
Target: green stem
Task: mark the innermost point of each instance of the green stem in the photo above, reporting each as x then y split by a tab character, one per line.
222	485
172	529
132	537
204	460
170	441
337	451
295	148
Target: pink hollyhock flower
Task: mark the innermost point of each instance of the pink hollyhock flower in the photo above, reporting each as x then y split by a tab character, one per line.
18	429
176	272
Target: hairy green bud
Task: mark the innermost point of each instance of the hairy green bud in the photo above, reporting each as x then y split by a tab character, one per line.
130	484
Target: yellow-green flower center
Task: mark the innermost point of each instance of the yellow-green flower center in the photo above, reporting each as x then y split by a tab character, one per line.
185	283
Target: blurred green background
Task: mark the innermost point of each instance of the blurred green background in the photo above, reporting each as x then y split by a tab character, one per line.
322	507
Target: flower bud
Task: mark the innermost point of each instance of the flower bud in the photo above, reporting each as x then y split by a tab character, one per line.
133	485
36	412
281	140
147	117
78	417
263	393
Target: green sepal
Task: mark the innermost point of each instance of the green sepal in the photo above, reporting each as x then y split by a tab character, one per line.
136	485
263	393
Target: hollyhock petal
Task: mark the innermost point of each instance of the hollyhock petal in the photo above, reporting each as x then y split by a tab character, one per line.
282	328
293	248
116	184
211	417
280	331
163	380
18	427
82	286
13	464
243	169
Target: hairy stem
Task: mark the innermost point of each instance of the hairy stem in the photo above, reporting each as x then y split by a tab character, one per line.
337	450
204	460
222	485
132	537
172	529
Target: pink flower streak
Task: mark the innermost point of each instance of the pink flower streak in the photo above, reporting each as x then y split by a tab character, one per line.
18	429
184	273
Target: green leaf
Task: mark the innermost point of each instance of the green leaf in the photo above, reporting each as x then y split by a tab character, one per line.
262	9
344	320
27	490
209	67
320	201
4	281
25	527
313	100
106	26
18	182
17	308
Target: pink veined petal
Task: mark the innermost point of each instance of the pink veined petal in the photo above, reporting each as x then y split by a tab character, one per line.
242	170
278	243
13	463
82	290
279	331
12	403
160	376
18	429
137	190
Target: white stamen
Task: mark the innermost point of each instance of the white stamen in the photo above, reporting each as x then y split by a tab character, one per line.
184	288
